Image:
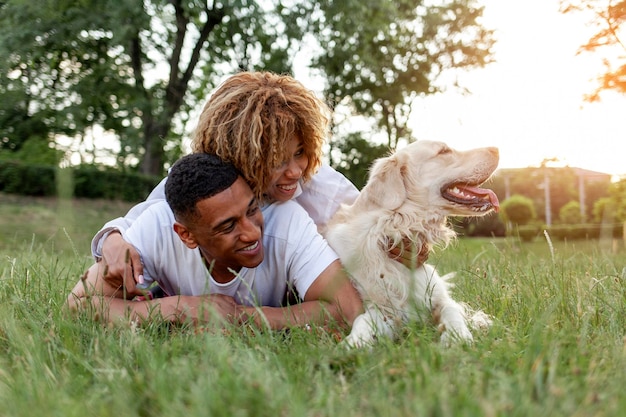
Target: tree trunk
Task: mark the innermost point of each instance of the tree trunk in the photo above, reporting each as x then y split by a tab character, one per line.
154	156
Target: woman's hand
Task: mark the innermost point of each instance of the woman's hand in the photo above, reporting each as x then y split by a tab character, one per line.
407	253
122	263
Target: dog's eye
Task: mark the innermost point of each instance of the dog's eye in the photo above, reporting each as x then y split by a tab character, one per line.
444	150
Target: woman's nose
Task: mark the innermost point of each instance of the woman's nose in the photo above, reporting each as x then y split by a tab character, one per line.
293	169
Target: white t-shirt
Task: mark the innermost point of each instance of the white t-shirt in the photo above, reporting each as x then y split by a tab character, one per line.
295	255
321	196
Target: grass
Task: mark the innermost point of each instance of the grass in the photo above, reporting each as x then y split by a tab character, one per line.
557	347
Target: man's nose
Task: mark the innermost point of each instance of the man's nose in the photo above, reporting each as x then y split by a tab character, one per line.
251	230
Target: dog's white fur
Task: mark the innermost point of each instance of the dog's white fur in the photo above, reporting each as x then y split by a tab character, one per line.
404	198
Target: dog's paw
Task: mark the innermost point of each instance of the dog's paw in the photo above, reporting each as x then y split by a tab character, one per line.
480	320
477	319
353	341
367	328
362	334
455	335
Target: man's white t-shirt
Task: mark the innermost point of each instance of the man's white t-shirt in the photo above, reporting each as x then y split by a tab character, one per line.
294	256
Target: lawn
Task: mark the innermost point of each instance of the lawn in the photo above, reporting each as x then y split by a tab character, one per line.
557	346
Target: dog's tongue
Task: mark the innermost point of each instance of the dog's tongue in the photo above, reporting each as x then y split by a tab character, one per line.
484	193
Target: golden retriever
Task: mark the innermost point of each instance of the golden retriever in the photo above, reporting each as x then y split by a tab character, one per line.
409	194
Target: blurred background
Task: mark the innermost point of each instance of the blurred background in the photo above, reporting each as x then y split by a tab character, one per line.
99	97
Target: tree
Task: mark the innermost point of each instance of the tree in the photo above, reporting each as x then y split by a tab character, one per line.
135	68
518	210
138	68
617	193
379	55
603	210
609	18
570	213
356	157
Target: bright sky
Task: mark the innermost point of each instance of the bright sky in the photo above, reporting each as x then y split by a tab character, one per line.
530	102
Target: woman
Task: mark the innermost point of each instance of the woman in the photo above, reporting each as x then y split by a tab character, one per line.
272	129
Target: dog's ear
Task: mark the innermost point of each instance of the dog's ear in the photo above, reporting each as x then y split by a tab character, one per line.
385	186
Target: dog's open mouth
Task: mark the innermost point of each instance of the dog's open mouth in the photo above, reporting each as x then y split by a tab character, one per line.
479	199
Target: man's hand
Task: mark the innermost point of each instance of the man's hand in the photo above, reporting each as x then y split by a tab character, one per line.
123	264
406	253
203	309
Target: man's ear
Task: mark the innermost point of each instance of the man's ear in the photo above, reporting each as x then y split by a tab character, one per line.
185	235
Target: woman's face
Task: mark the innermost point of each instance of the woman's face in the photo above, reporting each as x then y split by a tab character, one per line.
286	177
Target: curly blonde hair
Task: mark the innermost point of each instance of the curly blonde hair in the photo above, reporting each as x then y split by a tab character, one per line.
250	119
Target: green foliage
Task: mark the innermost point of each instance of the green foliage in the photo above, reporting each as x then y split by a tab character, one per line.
570	213
527	232
565	185
27	179
137	69
518	210
356	155
90	182
603	209
34	150
486	226
585	231
617	192
84	181
378	56
612	208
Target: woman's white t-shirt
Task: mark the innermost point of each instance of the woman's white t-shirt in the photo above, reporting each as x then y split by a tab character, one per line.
321	196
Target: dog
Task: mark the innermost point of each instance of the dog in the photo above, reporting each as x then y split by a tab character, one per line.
409	195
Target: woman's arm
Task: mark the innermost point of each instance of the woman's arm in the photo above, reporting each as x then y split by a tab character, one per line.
108	245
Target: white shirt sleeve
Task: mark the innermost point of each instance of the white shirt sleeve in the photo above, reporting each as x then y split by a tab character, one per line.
305	254
121	224
324	193
166	259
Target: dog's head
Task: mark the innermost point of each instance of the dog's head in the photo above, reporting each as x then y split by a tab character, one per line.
434	177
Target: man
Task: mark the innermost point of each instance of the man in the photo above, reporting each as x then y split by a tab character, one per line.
210	250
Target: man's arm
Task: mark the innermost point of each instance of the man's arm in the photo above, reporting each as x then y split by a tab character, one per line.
331	297
112	303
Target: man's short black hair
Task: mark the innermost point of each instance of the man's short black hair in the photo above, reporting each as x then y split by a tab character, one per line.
195	177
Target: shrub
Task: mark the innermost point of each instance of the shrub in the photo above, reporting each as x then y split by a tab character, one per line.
585	231
88	182
518	210
570	213
26	179
527	233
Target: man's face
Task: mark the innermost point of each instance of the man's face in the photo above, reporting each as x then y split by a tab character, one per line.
228	232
